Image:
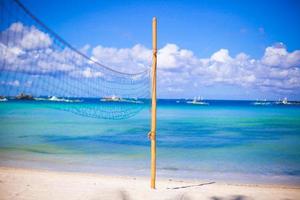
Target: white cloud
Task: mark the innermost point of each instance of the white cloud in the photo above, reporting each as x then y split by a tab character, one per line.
16	27
26	37
87	73
278	56
172	57
175	89
277	70
132	59
27	49
34	39
221	56
139	57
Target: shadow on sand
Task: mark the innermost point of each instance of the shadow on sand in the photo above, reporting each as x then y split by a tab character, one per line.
235	197
188	186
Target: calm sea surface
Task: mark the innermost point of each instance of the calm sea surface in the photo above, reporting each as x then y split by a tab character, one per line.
225	140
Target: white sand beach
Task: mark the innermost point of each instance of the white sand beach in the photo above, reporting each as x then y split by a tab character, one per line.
31	184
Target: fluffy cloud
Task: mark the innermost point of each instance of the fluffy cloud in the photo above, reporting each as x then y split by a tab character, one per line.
27	49
139	57
87	73
221	56
26	37
278	56
125	59
172	57
277	69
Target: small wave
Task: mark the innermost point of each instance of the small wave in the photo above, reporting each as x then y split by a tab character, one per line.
262	103
56	99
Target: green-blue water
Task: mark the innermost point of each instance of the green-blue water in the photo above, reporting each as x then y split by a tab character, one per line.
225	140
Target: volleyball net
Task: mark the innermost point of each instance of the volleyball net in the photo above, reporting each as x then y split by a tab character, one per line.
37	65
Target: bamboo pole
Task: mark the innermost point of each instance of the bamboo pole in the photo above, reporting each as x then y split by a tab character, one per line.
153	113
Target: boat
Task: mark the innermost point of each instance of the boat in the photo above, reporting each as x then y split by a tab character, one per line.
2	99
119	99
54	98
197	101
23	96
283	102
113	98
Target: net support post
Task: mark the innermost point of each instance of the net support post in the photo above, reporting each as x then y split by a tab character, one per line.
153	107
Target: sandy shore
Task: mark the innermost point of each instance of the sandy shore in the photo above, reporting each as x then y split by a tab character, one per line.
39	184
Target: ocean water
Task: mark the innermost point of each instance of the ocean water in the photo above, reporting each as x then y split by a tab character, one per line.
224	141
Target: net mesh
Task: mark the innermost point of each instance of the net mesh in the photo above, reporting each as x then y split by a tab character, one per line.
38	65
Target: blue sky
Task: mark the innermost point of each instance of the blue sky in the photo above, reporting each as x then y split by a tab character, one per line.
201	26
203	37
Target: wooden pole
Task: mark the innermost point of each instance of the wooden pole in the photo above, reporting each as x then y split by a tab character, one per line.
153	113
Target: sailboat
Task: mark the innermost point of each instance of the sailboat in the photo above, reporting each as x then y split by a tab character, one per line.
197	101
2	99
283	102
113	98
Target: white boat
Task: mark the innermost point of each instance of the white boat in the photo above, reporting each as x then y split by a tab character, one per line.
2	99
197	101
119	99
113	98
283	102
54	98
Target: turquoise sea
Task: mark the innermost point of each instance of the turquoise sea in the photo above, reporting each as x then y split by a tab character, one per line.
225	140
